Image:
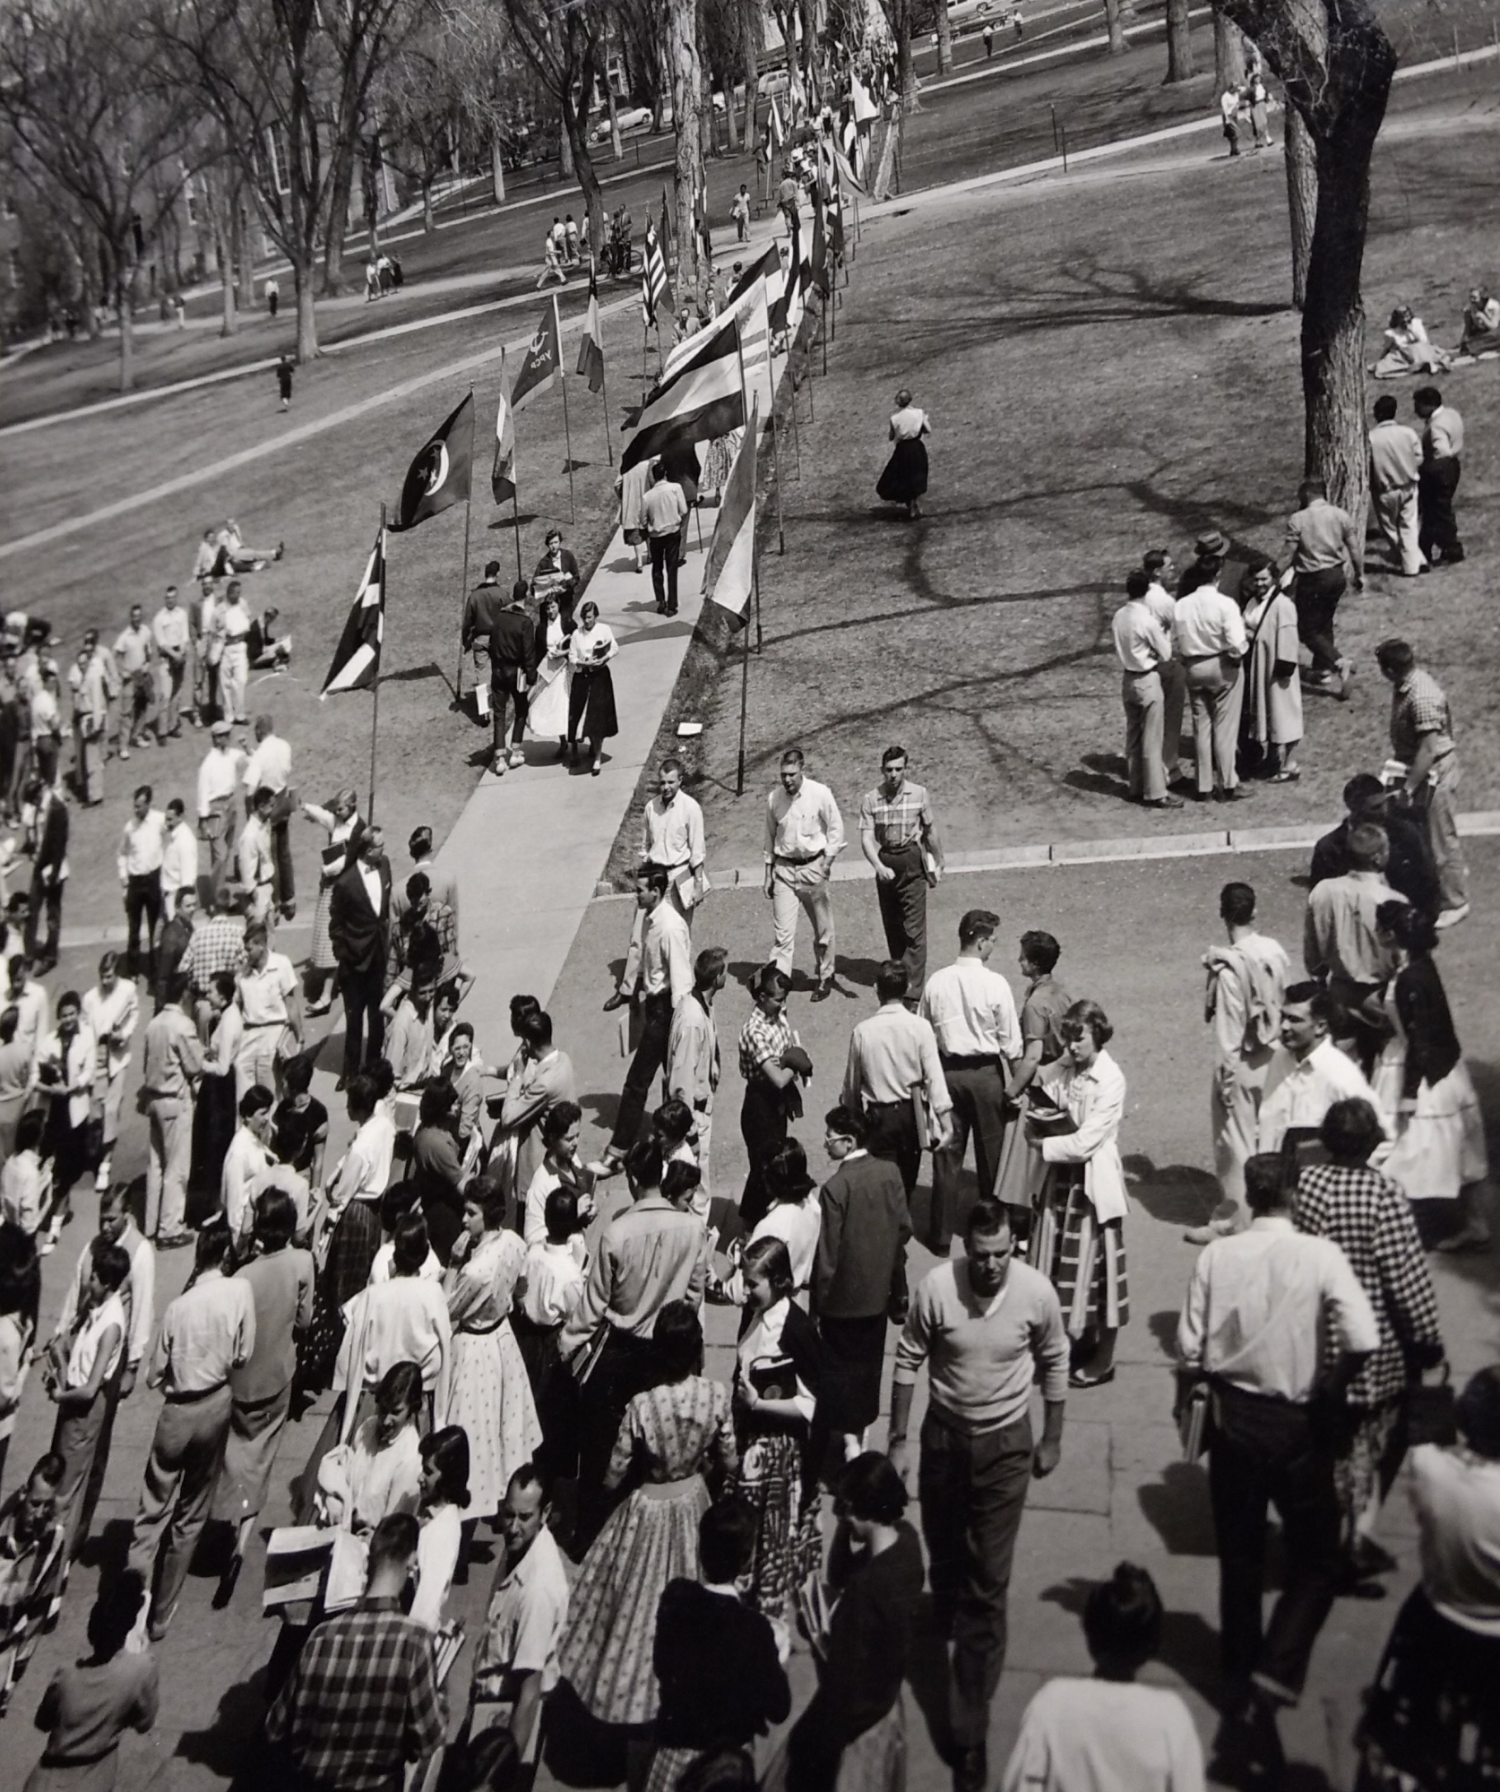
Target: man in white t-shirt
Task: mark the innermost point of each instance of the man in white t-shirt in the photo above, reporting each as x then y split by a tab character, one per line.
270	999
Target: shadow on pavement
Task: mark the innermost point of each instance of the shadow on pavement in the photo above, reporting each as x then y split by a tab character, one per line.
1177	1509
1175	1194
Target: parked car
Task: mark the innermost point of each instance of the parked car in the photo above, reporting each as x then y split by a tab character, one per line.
631	118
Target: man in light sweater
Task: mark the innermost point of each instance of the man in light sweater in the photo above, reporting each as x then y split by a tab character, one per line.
986	1326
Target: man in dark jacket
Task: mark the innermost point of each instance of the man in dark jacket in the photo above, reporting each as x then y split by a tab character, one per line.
1409	870
49	870
513	663
359	917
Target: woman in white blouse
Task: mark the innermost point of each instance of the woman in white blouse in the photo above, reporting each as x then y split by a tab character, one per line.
904	480
591	696
445	1494
341	822
547	714
1080	1238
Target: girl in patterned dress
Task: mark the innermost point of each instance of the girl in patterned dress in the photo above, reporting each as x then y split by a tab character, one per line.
674	1438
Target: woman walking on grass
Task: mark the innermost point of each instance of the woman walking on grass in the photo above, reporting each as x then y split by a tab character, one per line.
904	480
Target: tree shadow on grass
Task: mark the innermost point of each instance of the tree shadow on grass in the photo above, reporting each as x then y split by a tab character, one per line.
1176	1194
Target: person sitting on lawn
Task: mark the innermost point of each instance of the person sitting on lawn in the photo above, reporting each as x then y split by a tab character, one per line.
1407	348
1481	323
269	652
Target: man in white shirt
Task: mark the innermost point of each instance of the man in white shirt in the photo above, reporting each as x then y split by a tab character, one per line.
1263	1310
218	807
892	1055
1307	1072
256	859
170	629
111	1010
973	1015
672	837
86	680
665	508
143	846
804	835
692	1068
666	977
270	768
179	864
1161	573
1242	1003
135	654
270	998
249	1166
1395	466
1208	636
1143	646
171	1065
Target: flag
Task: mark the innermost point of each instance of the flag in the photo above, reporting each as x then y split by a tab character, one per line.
543	361
668	234
819	249
503	475
591	349
356	659
749	312
729	571
846	170
654	276
768	266
701	400
439	476
775	126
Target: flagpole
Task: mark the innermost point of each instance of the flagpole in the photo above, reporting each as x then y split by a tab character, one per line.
375	684
796	432
562	374
609	447
515	511
739	782
776	457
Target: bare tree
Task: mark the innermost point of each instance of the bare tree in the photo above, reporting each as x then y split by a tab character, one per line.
752	25
81	91
687	173
1336	65
1179	42
1114	25
565	48
1229	54
944	37
1301	199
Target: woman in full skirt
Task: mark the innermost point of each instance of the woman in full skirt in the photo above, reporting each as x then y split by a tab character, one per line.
904	480
591	697
547	715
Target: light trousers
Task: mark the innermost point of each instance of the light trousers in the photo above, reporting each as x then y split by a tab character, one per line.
1234	1110
1145	718
1216	691
187	1453
794	888
234	675
1440	812
1396	513
169	1124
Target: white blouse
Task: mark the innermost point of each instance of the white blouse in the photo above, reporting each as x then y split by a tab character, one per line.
584	641
437	1559
908	425
1096	1100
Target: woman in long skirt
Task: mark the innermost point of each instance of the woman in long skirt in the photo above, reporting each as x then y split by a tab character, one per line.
1422	1085
674	1437
773	1098
547	715
591	698
1080	1237
341	823
904	480
1273	689
215	1113
489	1393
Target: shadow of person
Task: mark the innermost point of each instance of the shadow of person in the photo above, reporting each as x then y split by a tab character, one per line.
233	1747
928	1676
1189	1644
1176	1194
578	1749
1163	1327
1177	1509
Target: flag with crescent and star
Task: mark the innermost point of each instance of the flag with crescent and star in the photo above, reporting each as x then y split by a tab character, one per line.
439	476
356	659
543	362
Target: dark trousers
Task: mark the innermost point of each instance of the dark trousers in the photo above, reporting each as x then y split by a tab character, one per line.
627	1366
763	1126
362	991
977	1086
1316	598
142	901
1262	1452
972	1491
893	1135
1437	481
50	898
903	911
645	1067
664	557
281	858
505	697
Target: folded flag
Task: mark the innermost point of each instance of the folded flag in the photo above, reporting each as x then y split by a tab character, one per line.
729	571
775	126
701	400
503	475
653	277
356	659
819	249
439	476
591	349
543	362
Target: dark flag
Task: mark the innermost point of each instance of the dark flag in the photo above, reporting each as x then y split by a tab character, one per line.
819	249
543	362
769	264
356	660
439	476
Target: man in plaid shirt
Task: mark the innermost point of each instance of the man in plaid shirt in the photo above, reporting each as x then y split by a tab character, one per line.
31	1567
1422	739
1368	1217
422	909
362	1701
898	836
218	944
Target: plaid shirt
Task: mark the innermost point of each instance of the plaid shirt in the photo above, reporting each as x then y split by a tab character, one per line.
897	820
762	1038
1418	707
362	1700
218	945
439	917
29	1575
1367	1216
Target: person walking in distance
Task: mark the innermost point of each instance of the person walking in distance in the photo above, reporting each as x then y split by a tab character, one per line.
1437	481
1278	1326
48	837
1395	468
1422	739
973	1014
1242	1003
986	1326
513	663
359	918
481	609
273	295
804	836
1324	543
1208	635
665	507
284	378
898	837
1143	646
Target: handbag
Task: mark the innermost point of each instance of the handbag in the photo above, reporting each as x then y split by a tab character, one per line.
1432	1411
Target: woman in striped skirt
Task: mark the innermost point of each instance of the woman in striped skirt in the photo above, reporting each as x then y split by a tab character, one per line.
1080	1240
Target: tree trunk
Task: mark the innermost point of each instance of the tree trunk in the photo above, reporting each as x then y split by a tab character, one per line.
682	58
1179	42
616	147
731	129
429	223
340	188
1301	199
750	30
1229	54
581	164
228	323
565	152
945	38
811	62
1114	25
307	319
127	328
905	67
497	169
707	137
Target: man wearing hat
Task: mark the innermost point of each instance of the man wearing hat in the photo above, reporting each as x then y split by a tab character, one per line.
1208	636
1216	564
218	814
483	604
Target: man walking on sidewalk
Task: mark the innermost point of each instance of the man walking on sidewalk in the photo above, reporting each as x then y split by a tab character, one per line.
666	978
899	838
804	835
665	508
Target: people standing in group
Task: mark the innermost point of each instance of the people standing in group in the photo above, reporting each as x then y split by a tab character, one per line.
90	722
692	1069
111	1010
48	839
513	656
1408	869
269	767
773	1065
1437	480
1422	740
1143	646
341	824
171	630
1208	636
1277	1324
1327	553
1271	713
1395	468
62	1080
898	837
1042	1009
1307	1072
591	691
893	1055
33	1562
1341	946
234	664
82	1359
804	837
986	1326
557	576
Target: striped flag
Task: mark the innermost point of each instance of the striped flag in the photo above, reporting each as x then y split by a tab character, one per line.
653	276
503	474
768	266
729	571
749	311
701	400
356	659
591	349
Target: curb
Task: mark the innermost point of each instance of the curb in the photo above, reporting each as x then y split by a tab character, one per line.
1476	824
